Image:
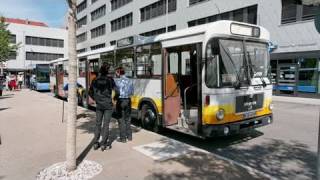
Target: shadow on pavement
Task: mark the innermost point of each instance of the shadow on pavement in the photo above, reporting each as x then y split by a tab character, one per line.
5	97
2	177
278	158
197	166
85	152
2	109
281	159
88	125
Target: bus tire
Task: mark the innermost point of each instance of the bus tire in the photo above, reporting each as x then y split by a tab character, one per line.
149	117
84	102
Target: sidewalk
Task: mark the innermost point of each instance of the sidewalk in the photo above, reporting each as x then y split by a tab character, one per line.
299	100
33	138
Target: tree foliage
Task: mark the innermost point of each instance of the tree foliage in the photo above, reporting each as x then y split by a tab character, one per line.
6	48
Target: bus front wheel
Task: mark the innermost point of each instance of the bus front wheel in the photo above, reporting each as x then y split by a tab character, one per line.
149	118
84	100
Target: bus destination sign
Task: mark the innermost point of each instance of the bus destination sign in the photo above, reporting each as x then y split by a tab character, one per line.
125	42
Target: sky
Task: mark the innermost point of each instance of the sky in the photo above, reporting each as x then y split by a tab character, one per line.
51	12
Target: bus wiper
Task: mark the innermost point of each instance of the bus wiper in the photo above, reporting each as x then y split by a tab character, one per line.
253	72
237	85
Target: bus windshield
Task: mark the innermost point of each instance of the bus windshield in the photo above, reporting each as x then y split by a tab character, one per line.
42	74
233	63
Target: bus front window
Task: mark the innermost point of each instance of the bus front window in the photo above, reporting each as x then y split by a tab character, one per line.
233	63
225	65
258	58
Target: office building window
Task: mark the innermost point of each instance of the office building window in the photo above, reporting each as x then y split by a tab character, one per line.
81	50
98	31
293	11
38	41
93	1
121	22
81	37
81	22
37	56
82	6
247	15
96	14
13	39
98	46
157	9
192	2
12	55
159	31
112	43
115	4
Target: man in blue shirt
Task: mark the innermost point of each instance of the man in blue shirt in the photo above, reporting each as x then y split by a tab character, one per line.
125	88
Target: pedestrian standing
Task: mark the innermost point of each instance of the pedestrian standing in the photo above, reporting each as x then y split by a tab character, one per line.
2	83
20	80
101	91
125	87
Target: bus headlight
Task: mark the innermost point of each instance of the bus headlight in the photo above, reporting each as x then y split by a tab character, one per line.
270	106
220	114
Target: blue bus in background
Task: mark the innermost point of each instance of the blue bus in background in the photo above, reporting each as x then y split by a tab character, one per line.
40	80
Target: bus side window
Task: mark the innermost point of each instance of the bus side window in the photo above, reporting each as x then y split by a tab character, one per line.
173	63
124	58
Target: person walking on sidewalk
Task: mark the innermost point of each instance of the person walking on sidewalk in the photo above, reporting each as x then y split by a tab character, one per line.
2	83
125	87
20	80
100	91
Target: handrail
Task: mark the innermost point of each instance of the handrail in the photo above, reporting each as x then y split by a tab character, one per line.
185	102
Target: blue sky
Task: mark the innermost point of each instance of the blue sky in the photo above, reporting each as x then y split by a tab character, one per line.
51	12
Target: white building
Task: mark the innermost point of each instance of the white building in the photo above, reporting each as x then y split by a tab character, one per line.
38	43
291	25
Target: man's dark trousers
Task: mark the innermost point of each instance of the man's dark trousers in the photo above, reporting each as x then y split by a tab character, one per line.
105	115
124	108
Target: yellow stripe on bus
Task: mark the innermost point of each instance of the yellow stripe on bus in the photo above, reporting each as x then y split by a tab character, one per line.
136	99
209	113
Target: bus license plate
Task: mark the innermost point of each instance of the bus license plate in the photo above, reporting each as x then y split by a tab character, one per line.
249	114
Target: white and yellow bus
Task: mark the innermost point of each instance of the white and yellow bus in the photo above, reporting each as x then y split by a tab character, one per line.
209	80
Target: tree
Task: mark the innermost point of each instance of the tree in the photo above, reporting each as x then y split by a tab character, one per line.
72	95
6	48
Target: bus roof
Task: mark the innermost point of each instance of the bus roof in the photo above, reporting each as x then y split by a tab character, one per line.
222	27
202	33
97	51
58	60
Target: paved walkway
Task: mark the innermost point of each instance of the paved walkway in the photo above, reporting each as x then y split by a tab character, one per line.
33	138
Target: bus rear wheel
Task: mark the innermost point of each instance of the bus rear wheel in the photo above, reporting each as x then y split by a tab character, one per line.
149	118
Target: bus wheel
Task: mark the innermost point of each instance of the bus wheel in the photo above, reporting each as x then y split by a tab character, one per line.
84	100
149	118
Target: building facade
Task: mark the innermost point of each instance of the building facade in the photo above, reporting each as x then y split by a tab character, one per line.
38	44
295	61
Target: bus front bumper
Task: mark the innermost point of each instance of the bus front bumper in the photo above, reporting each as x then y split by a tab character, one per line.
236	127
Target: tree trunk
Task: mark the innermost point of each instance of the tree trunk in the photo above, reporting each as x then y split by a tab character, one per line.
72	95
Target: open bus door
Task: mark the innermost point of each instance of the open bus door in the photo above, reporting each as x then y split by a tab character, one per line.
171	88
182	88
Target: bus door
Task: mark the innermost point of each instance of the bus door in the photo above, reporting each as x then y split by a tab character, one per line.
59	80
92	73
181	102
